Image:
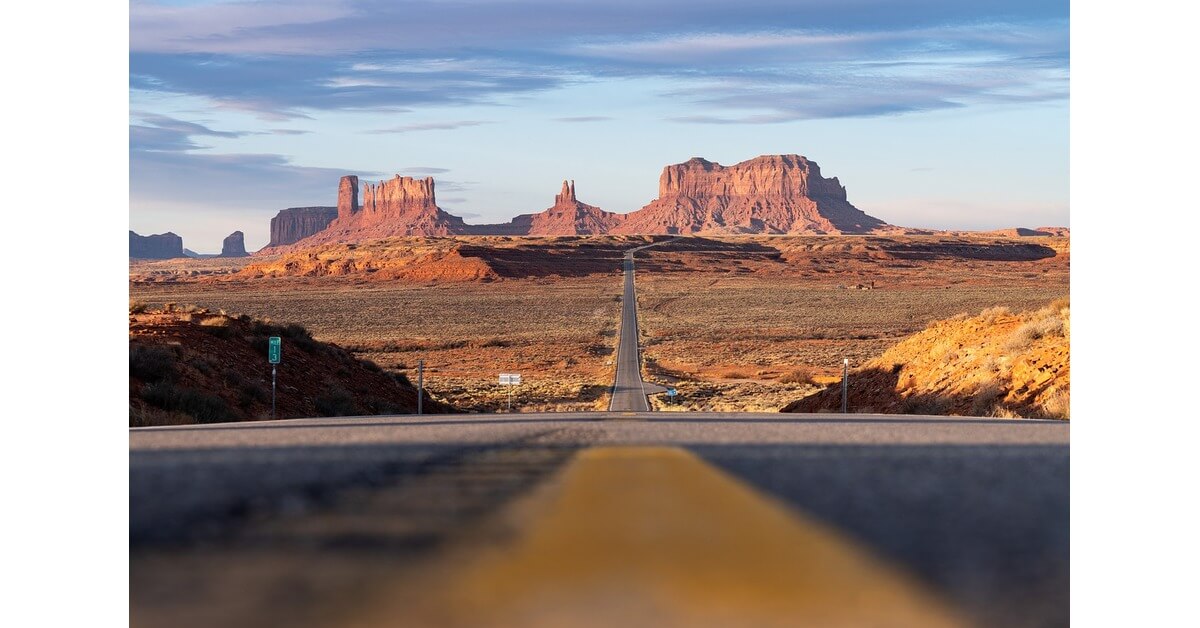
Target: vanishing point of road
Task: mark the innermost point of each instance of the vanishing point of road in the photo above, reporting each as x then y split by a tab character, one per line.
629	392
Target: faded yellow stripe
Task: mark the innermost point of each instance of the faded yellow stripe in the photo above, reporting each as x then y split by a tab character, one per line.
641	536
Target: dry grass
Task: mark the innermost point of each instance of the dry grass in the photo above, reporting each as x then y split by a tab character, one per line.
560	335
771	313
802	375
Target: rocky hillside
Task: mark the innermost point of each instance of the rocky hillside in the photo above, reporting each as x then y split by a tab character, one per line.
419	260
189	365
997	363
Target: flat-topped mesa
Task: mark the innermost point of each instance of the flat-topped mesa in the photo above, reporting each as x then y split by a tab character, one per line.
158	246
397	197
767	194
296	223
766	176
400	206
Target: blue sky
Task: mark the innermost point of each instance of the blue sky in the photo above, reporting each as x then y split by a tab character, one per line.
932	113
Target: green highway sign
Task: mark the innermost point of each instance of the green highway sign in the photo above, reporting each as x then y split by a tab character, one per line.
274	350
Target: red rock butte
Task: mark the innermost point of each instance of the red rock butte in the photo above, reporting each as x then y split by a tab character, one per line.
768	194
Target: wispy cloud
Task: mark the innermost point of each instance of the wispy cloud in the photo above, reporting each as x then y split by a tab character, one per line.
583	119
289	60
432	126
164	133
288	132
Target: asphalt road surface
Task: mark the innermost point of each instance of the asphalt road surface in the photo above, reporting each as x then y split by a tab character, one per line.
629	391
611	518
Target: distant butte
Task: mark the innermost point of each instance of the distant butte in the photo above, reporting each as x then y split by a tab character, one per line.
767	194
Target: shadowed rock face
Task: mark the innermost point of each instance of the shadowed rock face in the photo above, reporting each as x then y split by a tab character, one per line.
296	223
158	246
767	194
234	245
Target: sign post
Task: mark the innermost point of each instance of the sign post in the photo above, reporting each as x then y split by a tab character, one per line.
845	381
671	392
420	383
510	380
274	354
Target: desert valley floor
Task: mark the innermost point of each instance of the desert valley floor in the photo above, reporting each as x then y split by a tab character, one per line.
733	322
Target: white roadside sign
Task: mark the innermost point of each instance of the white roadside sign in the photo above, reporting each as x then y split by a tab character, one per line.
510	379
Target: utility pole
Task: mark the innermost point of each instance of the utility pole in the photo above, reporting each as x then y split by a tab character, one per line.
845	382
420	384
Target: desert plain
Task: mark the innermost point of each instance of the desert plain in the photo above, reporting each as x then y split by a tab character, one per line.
732	322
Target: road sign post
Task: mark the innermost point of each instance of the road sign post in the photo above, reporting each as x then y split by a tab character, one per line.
420	383
845	382
671	392
274	355
510	380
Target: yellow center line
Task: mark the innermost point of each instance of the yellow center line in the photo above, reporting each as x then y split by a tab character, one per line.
639	536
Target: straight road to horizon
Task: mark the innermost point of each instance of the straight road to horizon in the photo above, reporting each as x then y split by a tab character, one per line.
629	390
601	519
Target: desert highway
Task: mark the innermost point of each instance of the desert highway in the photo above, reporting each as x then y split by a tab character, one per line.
601	519
629	391
625	517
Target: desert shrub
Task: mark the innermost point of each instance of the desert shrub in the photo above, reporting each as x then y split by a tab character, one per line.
922	404
137	307
141	415
202	407
250	392
1021	338
232	377
189	308
798	375
985	397
218	326
152	363
1024	335
335	401
204	365
497	342
737	375
375	405
1000	412
992	313
1057	405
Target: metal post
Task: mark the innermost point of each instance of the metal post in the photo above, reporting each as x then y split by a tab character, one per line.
845	381
510	397
272	391
420	384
